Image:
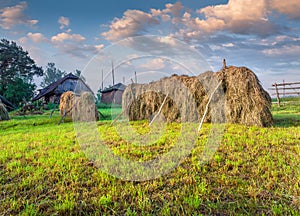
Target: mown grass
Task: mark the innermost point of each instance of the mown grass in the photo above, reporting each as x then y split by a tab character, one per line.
255	171
288	114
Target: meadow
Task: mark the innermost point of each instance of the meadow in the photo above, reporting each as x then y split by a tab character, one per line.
255	171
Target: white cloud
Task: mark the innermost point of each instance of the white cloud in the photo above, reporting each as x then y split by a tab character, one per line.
171	9
11	16
61	37
131	24
64	22
154	64
73	44
99	47
241	17
286	50
228	45
37	37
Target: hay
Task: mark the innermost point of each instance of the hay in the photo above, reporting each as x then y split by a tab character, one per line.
240	99
85	108
246	101
80	108
67	103
3	112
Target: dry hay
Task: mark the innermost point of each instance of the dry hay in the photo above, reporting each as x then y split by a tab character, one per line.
66	103
184	96
85	108
246	100
240	98
3	112
80	108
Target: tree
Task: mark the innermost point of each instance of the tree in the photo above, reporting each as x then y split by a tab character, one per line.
19	91
17	71
52	74
79	74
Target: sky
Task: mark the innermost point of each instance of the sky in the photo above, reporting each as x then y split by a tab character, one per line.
158	38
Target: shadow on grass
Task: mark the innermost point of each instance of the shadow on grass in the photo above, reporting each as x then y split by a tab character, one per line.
286	120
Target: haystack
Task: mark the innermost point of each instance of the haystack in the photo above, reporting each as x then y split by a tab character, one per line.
80	108
3	112
66	104
239	98
246	100
85	108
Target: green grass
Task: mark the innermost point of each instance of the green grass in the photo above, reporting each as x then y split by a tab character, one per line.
255	171
110	113
288	114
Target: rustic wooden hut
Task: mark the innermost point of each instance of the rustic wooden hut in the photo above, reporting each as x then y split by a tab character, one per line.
113	94
53	92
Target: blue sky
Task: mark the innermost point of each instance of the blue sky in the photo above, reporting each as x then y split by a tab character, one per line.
262	35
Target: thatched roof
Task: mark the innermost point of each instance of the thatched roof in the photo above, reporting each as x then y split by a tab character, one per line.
8	104
50	88
239	99
116	87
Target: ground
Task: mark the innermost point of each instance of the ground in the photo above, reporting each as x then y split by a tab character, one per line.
43	170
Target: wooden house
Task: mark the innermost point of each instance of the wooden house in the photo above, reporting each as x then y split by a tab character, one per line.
113	94
53	92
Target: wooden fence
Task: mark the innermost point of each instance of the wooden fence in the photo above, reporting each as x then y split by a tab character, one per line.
285	89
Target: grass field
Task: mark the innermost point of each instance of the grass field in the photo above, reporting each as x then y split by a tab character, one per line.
254	171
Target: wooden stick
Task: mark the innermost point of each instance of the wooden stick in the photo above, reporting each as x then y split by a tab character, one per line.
207	105
290	88
288	93
101	114
277	95
114	121
52	113
283	84
163	103
66	112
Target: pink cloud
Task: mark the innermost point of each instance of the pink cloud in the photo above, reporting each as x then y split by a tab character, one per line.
11	16
132	23
61	37
289	7
64	22
236	16
154	64
37	37
293	50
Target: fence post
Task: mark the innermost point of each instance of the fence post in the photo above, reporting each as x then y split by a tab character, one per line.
283	89
277	95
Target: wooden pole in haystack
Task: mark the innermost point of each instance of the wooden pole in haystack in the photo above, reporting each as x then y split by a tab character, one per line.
224	64
163	103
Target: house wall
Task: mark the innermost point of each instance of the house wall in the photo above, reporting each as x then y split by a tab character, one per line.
112	97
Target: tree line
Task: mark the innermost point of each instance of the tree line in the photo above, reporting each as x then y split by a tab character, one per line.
18	72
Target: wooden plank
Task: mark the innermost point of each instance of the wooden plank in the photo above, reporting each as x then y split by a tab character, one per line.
284	84
290	88
289	93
